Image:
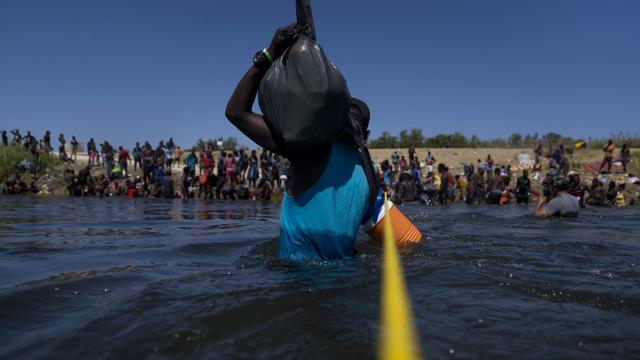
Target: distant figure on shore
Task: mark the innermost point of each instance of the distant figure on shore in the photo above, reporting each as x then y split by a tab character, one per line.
430	160
74	148
537	166
608	156
395	160
412	152
62	153
5	138
562	204
46	140
17	138
625	157
137	157
92	150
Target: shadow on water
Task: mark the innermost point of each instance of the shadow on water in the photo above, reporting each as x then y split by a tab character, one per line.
115	278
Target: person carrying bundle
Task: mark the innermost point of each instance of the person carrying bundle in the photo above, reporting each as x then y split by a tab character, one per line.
311	119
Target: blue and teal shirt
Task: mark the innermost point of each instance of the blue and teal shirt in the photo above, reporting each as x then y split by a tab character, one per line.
322	223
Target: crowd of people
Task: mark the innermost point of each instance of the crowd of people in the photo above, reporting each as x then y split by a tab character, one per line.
148	171
209	173
410	179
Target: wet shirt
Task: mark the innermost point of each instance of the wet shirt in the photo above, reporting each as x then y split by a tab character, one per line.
563	205
523	185
323	222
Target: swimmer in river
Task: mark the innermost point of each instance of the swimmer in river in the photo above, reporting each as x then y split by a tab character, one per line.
327	193
563	204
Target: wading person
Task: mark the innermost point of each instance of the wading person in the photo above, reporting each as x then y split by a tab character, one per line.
562	204
328	190
523	188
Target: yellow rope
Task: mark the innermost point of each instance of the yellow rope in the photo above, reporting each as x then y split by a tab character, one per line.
398	333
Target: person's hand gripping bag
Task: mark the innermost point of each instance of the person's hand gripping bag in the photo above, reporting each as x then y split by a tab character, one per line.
304	97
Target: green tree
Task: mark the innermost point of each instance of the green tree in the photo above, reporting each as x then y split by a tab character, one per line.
414	138
474	142
384	141
515	140
230	144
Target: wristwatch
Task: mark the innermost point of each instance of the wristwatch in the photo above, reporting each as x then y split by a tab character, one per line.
262	59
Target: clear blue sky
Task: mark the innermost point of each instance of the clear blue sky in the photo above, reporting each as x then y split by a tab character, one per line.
124	70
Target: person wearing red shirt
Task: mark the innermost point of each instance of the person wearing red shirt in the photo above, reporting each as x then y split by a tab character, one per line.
123	159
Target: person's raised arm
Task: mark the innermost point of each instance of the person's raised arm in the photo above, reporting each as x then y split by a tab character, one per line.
539	211
239	109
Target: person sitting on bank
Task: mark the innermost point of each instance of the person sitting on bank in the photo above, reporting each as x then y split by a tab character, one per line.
327	193
562	204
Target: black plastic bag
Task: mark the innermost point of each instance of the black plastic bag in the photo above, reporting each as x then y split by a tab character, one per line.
304	97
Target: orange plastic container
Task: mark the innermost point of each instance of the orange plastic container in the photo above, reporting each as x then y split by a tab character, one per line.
403	229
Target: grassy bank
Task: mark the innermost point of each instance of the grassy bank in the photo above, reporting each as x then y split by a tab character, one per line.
11	156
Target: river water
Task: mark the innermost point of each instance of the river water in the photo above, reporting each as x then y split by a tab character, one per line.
121	278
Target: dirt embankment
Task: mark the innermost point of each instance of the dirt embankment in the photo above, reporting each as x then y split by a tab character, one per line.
454	158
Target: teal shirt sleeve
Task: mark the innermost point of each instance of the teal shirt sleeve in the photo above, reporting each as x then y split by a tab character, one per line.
323	222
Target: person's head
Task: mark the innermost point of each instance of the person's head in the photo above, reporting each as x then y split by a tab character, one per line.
457	177
497	171
441	168
137	144
481	171
359	112
253	153
525	173
120	148
560	183
488	156
610	142
193	151
624	147
612	185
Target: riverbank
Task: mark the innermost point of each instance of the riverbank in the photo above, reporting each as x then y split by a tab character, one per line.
582	161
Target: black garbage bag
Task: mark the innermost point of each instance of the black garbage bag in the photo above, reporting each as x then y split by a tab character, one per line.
304	97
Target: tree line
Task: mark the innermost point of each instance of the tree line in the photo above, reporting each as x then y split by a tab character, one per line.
416	138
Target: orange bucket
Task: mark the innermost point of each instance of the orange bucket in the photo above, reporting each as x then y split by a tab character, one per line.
404	232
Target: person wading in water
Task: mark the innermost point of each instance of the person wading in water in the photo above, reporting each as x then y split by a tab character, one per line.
327	193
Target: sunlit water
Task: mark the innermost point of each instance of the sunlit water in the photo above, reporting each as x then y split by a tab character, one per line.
121	278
